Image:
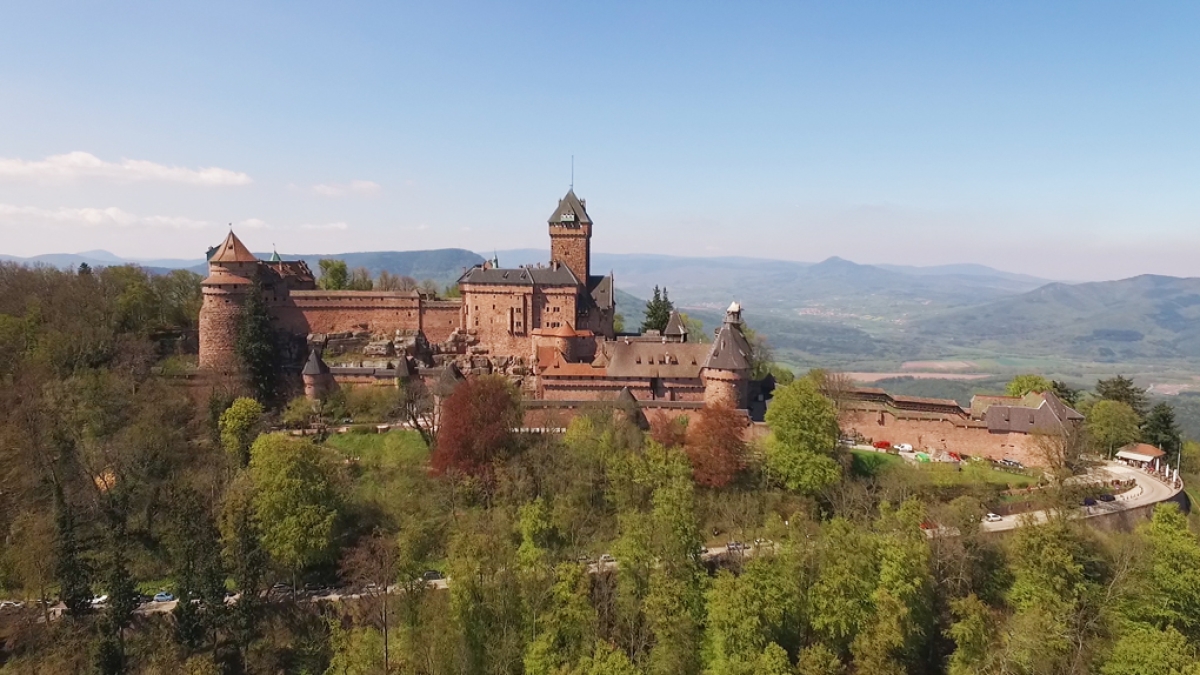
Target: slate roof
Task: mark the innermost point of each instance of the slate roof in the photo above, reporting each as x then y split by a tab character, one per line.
652	359
232	250
730	350
315	365
553	275
675	326
447	380
572	207
601	290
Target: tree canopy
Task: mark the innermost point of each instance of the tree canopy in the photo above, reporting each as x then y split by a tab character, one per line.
658	311
1024	384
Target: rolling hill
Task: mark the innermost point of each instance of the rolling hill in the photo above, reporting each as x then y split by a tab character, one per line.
1146	317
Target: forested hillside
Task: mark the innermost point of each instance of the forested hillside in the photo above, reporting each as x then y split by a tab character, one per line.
612	549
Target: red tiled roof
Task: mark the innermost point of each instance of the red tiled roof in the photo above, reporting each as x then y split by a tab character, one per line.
232	250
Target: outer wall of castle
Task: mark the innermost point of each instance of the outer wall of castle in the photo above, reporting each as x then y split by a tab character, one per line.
219	316
943	434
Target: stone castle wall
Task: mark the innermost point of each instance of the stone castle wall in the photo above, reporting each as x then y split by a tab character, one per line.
607	388
440	318
572	247
931	432
725	388
501	317
220	313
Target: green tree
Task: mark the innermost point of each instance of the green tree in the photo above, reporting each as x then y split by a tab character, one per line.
695	329
839	600
71	570
606	660
30	554
1112	424
239	425
973	632
1167	590
360	280
295	501
246	561
819	660
1144	650
658	311
1161	430
335	276
566	631
193	547
1123	390
1065	393
1024	384
804	433
256	346
746	618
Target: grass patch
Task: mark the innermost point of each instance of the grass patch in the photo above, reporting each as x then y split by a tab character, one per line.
869	463
391	450
384	469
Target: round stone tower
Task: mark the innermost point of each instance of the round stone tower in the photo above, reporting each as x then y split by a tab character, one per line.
318	380
726	371
232	269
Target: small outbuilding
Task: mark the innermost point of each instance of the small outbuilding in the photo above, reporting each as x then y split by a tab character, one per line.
1140	454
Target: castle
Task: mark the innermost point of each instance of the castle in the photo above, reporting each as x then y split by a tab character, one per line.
550	328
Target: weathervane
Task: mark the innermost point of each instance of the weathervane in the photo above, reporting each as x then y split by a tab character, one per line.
572	173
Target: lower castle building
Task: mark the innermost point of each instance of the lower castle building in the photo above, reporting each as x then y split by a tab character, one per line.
550	328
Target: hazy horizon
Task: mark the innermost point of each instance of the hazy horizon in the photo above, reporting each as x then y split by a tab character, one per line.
1056	141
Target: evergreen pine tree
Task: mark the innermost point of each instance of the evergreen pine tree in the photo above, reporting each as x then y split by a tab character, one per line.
1123	389
658	311
256	346
70	570
1161	431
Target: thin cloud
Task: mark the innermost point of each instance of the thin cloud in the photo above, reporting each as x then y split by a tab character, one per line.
326	226
363	188
111	217
75	166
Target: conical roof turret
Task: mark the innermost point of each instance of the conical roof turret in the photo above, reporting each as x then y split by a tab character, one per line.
731	350
315	365
232	250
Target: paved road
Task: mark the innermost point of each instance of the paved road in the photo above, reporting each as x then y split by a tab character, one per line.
1149	490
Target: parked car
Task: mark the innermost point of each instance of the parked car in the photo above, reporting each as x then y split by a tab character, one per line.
1107	498
735	546
606	558
163	596
993	518
99	600
1089	502
432	575
903	447
882	445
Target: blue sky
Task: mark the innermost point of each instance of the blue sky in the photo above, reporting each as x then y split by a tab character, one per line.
1058	139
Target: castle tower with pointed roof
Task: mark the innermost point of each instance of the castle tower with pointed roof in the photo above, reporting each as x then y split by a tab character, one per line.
726	370
571	236
232	269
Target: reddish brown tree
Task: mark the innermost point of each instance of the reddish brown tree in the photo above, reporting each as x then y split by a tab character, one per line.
669	432
476	426
716	446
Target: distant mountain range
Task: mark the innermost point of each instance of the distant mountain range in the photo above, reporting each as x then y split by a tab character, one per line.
843	314
1147	317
